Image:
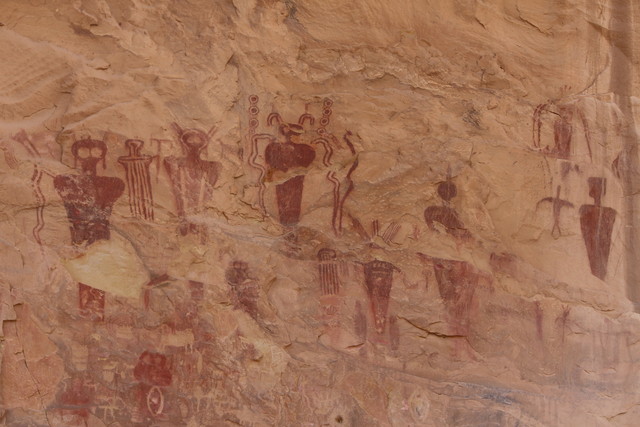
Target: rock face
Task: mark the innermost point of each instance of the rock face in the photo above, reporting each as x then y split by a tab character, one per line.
261	212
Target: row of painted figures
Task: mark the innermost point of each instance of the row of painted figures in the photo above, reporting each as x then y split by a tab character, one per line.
457	284
457	281
153	374
596	221
89	198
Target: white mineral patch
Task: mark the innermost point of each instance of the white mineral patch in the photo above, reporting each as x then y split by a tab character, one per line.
112	266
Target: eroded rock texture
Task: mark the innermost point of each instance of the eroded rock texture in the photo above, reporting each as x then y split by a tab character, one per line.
297	213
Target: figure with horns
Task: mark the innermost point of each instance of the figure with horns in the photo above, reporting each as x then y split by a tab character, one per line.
288	154
287	159
192	178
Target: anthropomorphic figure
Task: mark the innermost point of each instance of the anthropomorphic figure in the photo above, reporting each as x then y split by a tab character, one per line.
75	402
192	178
245	289
153	370
283	156
88	200
557	204
445	214
378	276
563	121
342	168
136	167
596	224
288	157
458	283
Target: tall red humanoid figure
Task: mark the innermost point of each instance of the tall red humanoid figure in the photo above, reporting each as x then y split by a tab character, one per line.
88	199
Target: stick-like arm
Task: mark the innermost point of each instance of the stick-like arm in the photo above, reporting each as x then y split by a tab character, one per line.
546	199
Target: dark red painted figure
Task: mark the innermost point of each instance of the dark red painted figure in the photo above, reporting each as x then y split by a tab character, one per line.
283	155
457	285
378	276
287	155
291	153
556	204
596	223
446	215
136	167
394	333
192	178
245	289
91	302
562	128
360	321
153	370
88	200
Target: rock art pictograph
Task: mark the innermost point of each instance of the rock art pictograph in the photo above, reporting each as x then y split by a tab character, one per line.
88	199
136	166
596	224
192	179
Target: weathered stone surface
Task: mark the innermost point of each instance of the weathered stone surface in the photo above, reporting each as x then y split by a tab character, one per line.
254	212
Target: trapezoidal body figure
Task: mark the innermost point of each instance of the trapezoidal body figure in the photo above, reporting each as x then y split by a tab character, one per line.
136	166
378	277
192	179
596	224
88	200
287	155
458	281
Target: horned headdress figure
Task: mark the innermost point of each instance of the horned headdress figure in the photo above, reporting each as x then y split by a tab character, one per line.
192	178
290	154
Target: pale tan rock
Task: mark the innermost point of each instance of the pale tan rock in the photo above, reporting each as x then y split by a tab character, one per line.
111	266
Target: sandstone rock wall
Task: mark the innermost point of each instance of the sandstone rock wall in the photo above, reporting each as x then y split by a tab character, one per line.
261	212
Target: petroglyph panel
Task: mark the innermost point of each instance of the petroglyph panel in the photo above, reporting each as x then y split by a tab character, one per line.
319	213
